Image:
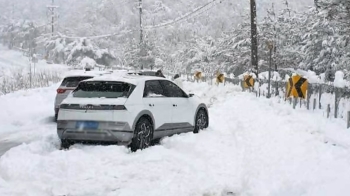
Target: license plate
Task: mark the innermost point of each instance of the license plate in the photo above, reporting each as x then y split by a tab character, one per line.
86	125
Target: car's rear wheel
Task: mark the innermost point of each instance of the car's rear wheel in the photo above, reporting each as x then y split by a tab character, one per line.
143	135
56	114
202	120
65	144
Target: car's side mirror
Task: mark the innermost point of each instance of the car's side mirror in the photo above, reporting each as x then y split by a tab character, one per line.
190	95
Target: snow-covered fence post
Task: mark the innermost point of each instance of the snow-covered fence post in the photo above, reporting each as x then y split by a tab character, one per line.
314	104
308	94
319	96
295	101
339	84
30	75
276	89
328	110
337	100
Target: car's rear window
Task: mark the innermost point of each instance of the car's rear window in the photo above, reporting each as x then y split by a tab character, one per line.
103	89
74	81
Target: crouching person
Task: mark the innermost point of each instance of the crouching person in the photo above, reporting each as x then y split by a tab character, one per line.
178	81
160	74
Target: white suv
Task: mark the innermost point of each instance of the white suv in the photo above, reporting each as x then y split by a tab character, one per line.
128	110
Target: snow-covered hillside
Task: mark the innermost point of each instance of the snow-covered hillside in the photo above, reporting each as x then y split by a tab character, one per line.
253	146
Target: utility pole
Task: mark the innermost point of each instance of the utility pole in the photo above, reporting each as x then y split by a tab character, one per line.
51	9
270	47
275	48
254	38
141	35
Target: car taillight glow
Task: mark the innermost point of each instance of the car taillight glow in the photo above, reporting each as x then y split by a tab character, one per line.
60	91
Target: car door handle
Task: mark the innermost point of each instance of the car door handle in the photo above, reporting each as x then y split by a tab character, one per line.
151	105
174	105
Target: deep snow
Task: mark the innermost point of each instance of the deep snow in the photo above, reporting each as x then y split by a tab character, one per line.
27	114
253	146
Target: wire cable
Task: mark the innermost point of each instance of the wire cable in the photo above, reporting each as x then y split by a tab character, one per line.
180	18
187	15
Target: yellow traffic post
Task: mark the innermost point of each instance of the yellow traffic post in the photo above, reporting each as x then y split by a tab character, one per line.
198	75
248	81
220	78
297	87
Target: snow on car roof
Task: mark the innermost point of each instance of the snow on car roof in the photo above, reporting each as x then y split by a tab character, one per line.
131	79
93	73
83	73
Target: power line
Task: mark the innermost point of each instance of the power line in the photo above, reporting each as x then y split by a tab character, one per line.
98	36
150	27
182	17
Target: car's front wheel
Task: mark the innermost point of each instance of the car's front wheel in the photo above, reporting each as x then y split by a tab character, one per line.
202	120
143	135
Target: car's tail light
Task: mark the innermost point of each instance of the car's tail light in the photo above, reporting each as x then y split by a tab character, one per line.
119	107
60	91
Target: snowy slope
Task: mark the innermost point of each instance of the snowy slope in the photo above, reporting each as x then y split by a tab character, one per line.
253	146
11	60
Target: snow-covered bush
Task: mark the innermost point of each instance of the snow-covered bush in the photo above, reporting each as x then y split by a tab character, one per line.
72	52
56	50
83	47
88	63
19	80
339	80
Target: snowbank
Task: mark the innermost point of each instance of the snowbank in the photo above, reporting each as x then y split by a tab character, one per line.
210	93
27	114
253	146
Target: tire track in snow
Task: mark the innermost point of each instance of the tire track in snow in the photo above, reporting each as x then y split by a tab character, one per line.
7	145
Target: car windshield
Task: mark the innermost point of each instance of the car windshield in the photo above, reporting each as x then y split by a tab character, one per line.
74	81
103	89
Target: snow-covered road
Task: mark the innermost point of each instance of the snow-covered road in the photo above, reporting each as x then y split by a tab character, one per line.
253	146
